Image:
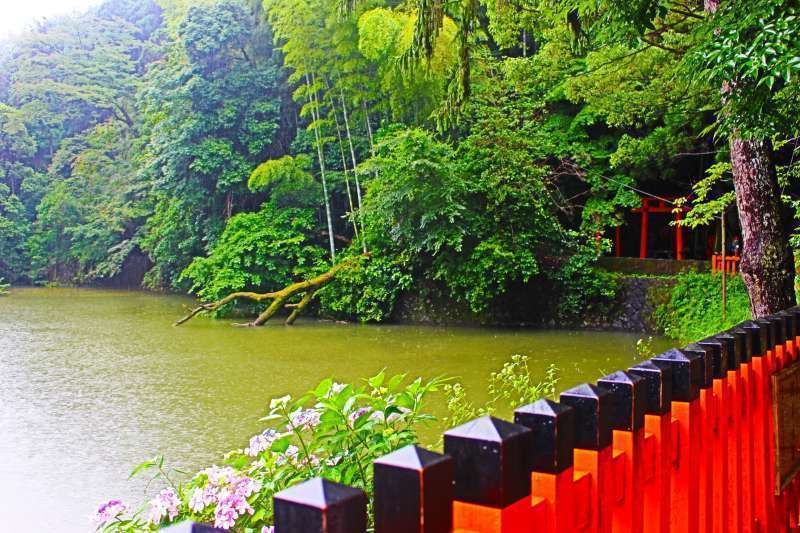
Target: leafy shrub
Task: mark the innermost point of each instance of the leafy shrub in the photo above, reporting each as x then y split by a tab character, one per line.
265	250
334	431
511	386
368	291
694	310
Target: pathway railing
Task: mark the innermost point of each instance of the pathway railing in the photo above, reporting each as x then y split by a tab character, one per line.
684	442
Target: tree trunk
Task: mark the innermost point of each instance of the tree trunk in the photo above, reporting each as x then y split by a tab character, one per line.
355	173
766	265
321	157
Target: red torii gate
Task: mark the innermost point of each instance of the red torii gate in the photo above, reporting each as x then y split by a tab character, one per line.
660	206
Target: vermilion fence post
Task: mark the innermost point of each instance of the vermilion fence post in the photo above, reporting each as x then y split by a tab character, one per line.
717	450
552	443
320	506
709	422
492	481
740	353
792	349
413	492
687	375
658	444
774	356
779	325
593	452
628	405
759	413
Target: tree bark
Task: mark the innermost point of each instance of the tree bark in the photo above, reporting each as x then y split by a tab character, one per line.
766	265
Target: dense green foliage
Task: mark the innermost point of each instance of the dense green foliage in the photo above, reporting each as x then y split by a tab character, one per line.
479	149
694	309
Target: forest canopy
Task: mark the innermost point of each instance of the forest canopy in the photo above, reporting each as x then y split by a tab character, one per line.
482	151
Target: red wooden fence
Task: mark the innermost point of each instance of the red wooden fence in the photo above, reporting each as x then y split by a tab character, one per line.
731	264
681	443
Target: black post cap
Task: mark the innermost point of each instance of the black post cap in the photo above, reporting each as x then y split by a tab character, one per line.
553	434
592	417
490	459
413	492
732	349
658	386
628	400
320	506
760	336
743	343
706	354
795	312
779	323
770	328
687	373
191	527
790	319
719	356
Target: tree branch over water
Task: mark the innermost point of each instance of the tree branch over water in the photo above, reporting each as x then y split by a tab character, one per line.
308	288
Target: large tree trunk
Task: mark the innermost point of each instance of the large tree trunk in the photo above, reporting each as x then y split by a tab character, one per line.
767	265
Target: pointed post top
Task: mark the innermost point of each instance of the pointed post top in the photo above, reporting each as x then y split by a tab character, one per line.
719	356
592	417
706	354
320	506
658	388
628	400
553	434
687	373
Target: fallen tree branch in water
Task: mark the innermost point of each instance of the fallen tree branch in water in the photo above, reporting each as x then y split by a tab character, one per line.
307	288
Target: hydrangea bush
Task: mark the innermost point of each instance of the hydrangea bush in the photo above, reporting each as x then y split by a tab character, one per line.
334	431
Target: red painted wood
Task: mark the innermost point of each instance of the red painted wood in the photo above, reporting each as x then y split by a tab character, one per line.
555	493
685	483
474	518
706	452
628	509
746	410
643	236
658	456
733	450
719	459
599	465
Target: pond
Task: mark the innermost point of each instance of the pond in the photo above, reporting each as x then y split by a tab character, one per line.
92	382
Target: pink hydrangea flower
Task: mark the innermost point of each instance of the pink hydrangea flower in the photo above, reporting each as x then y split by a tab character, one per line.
231	506
165	503
303	419
202	498
228	491
261	442
289	456
268	529
109	511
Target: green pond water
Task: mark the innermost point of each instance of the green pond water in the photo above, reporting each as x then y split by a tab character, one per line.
93	382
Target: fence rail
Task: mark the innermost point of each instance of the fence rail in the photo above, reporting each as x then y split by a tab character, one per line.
684	442
730	265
